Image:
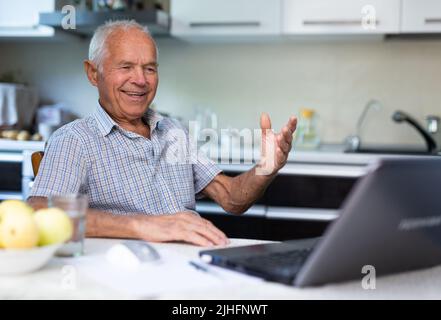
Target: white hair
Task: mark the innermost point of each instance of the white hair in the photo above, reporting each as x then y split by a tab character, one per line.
98	45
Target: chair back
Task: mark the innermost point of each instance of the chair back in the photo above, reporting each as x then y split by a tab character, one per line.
36	160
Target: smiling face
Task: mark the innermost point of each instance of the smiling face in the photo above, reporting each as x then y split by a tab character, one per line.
128	78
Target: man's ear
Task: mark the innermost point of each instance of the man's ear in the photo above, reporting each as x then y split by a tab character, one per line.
91	72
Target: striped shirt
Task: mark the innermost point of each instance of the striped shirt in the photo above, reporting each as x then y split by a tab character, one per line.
121	171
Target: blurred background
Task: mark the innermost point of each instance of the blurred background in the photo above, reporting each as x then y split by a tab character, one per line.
240	58
344	67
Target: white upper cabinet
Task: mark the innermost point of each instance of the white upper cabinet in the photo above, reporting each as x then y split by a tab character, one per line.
419	16
225	17
340	16
19	18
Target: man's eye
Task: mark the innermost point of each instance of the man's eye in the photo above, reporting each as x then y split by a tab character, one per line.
126	67
150	69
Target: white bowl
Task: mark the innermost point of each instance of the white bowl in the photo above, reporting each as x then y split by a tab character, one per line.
18	261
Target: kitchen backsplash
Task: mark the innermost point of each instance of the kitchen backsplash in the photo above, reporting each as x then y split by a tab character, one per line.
239	81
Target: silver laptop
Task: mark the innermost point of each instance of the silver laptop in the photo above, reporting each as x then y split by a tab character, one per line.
391	220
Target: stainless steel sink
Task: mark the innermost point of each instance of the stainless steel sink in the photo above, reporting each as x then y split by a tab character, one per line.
354	145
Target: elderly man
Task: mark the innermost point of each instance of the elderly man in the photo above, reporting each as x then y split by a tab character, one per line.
117	155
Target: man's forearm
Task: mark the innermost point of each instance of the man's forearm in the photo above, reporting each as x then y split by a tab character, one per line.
248	188
237	194
99	223
106	225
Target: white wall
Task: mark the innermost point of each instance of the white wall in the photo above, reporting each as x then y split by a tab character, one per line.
239	81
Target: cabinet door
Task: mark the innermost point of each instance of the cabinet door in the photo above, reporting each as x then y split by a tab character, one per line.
23	13
225	17
421	16
340	16
314	192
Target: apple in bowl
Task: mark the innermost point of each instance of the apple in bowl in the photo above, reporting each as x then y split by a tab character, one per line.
29	239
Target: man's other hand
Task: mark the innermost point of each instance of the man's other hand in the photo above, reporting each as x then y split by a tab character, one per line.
181	226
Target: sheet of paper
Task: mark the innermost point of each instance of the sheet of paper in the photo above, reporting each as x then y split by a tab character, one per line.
172	273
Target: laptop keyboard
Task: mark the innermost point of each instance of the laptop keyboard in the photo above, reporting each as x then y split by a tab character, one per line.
288	261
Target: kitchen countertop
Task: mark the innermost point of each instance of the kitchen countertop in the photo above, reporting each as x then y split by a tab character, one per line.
335	154
332	154
14	145
328	160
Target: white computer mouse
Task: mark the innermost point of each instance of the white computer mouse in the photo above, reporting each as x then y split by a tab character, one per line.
131	254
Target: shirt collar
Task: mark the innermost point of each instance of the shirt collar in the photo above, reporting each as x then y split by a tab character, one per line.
106	123
152	118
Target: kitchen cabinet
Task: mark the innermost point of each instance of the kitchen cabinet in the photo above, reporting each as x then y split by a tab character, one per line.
421	16
225	17
273	229
16	168
297	204
157	21
10	179
340	17
19	18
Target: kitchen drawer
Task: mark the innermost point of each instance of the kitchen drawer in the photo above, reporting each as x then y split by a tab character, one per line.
225	17
308	191
340	16
23	13
421	16
266	229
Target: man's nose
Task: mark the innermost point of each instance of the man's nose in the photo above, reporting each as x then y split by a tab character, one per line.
138	77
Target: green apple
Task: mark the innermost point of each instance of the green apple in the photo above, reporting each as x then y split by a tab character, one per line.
18	229
54	226
14	206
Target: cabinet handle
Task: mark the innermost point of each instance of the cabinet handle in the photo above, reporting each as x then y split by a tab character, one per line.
432	20
302	214
224	24
325	170
334	23
255	210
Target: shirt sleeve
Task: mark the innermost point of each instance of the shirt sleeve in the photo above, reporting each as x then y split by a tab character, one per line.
204	171
63	167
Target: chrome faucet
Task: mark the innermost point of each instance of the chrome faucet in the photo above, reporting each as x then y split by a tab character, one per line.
353	142
433	123
400	116
433	127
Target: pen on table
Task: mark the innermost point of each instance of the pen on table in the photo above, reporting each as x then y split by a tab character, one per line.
203	268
